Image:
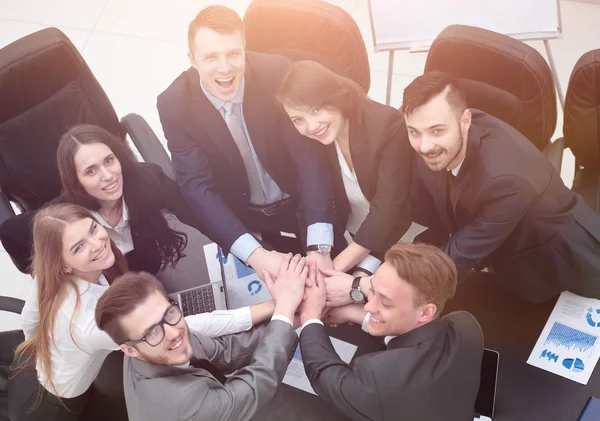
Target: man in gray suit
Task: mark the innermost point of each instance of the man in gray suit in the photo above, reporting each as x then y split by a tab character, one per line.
172	373
430	367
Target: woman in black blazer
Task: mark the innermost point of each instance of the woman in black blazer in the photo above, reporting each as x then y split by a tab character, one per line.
371	159
133	199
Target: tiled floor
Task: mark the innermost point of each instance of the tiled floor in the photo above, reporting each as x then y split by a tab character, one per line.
137	47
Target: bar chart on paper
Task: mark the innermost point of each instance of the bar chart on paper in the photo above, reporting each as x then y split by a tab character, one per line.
568	345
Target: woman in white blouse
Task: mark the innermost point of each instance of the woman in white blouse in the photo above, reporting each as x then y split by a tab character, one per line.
74	262
370	156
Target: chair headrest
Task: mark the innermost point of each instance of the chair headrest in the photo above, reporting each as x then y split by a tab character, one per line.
309	30
582	106
45	88
500	75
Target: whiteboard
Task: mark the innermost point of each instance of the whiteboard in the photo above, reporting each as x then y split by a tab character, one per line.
403	24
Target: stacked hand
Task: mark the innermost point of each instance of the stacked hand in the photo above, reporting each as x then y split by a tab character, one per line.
288	288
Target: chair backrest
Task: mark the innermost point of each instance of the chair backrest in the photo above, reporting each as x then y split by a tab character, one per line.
500	75
45	88
582	121
309	30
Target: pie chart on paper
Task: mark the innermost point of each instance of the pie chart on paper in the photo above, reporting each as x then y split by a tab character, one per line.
573	364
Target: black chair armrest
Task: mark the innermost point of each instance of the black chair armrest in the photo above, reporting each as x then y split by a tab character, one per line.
554	152
147	143
11	304
6	210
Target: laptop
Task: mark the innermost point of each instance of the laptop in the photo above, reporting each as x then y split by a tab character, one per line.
204	298
486	399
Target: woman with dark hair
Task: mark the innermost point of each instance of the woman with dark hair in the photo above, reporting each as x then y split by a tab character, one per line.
141	208
369	154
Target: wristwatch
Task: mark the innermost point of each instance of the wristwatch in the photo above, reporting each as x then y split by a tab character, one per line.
319	248
356	294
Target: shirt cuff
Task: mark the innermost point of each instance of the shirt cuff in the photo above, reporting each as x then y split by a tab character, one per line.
319	233
282	318
244	246
370	263
365	322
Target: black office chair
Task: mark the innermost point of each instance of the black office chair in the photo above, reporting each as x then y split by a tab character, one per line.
46	87
500	75
581	127
309	30
9	342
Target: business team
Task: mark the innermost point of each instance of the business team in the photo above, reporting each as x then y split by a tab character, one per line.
262	146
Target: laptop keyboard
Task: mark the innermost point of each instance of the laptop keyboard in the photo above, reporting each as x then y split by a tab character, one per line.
196	301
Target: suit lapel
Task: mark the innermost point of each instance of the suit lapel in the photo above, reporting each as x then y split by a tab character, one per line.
466	169
206	118
359	151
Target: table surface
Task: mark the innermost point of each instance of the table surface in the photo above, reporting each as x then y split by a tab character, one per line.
510	325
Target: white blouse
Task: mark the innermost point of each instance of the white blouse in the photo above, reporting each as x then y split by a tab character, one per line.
76	363
120	233
359	206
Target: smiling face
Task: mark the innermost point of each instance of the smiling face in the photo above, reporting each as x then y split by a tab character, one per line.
174	349
220	60
392	304
438	133
323	124
99	172
86	248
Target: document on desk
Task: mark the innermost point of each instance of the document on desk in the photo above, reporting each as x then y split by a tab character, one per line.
244	287
569	344
296	376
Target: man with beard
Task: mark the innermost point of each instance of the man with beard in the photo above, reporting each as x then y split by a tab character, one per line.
500	200
172	373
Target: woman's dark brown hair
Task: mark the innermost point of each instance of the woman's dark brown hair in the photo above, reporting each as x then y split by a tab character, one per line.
308	83
141	193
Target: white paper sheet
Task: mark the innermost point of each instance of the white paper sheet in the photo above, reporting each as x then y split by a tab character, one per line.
296	376
244	287
569	344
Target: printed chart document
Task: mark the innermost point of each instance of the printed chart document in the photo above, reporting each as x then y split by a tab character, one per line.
569	344
244	287
296	376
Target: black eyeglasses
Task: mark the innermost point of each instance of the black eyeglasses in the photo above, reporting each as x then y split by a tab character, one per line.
156	333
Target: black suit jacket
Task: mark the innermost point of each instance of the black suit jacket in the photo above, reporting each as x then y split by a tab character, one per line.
430	373
382	159
513	213
16	233
209	165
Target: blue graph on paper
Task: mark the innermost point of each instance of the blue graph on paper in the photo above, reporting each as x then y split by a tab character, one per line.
564	336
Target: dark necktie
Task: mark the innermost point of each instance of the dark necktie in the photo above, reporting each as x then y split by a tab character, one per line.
449	182
208	366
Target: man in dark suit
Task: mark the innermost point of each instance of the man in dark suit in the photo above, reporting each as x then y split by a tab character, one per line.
173	373
241	164
430	367
502	202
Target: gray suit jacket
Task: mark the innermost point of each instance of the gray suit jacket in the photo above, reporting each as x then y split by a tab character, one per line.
430	373
261	356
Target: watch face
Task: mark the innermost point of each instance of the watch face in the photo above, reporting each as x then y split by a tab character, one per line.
324	249
357	296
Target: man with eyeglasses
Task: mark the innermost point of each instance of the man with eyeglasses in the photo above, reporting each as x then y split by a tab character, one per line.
173	373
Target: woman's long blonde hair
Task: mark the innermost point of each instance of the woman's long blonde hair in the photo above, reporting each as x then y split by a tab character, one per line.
48	268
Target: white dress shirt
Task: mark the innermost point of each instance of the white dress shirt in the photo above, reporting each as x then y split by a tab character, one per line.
359	206
75	364
120	233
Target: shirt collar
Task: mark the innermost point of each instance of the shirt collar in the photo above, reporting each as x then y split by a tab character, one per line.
457	169
217	103
124	217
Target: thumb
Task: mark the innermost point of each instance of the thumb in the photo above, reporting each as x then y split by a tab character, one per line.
268	280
